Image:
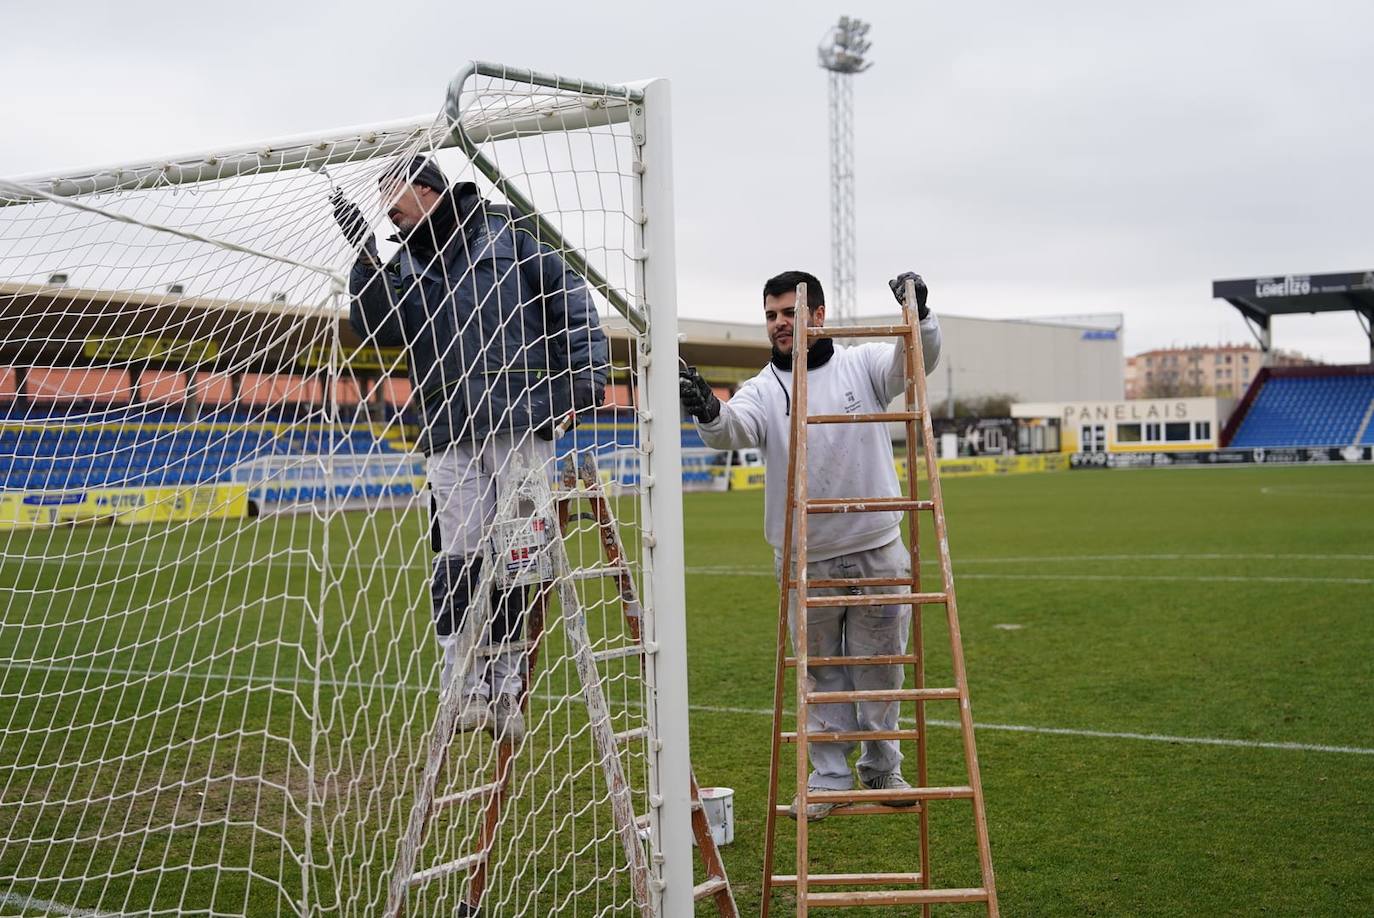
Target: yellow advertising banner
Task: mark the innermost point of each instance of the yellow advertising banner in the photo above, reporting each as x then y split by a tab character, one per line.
995	465
27	509
746	478
181	351
363	357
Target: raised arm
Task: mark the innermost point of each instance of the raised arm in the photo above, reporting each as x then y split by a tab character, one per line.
735	424
886	363
372	304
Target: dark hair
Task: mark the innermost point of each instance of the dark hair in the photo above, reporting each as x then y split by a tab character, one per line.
787	282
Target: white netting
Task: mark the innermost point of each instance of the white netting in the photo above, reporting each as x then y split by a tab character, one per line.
219	672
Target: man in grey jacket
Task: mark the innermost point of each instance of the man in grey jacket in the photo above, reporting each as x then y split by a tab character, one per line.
503	344
843	461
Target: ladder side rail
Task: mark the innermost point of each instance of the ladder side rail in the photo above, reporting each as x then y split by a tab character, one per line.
914	403
408	849
505	754
574	619
780	665
711	860
611	545
800	407
952	617
614	551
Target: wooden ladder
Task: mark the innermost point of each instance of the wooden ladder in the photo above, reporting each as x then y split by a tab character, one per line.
574	472
883	889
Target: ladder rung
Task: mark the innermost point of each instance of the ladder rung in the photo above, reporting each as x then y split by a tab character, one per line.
860	331
597	573
480	792
618	653
827	584
708	888
866	504
848	879
880	660
880	417
852	736
443	870
906	694
895	897
624	736
864	795
496	650
875	599
866	809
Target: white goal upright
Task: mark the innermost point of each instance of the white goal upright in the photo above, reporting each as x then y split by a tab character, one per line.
219	671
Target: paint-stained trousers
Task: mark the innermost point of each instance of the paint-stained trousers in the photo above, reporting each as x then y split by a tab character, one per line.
463	481
853	631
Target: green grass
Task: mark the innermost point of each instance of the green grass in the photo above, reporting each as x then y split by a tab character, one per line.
1159	612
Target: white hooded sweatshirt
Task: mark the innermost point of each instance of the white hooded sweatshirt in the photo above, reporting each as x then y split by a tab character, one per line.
843	460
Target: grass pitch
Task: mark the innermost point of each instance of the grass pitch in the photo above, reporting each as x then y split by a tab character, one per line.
1172	672
1173	676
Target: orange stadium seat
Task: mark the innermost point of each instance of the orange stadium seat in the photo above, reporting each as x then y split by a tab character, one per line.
394	392
618	396
167	387
72	384
279	389
347	392
214	389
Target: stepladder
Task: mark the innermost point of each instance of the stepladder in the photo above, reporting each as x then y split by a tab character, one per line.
850	676
533	523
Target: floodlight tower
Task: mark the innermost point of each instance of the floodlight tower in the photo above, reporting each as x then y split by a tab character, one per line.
842	53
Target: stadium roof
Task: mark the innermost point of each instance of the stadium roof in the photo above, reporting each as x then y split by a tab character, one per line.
72	326
1259	299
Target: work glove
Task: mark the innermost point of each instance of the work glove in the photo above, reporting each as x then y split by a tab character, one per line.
587	395
898	285
697	398
354	226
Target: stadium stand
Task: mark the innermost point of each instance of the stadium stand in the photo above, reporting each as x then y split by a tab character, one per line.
1305	406
67	429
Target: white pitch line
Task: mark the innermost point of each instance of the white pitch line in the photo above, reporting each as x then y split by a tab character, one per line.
756	712
1165	578
290	559
28	903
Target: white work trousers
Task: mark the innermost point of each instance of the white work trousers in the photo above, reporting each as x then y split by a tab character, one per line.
463	479
853	631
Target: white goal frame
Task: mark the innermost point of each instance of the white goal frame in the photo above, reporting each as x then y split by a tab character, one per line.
652	313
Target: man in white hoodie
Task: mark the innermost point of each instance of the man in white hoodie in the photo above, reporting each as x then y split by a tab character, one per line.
843	461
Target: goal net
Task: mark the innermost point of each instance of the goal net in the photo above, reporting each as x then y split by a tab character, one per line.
314	597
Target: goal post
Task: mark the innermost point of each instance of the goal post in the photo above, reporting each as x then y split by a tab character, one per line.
222	614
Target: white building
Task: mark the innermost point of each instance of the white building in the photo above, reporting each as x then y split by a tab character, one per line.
1031	360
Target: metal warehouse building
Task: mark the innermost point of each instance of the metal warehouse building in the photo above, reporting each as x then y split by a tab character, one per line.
1073	358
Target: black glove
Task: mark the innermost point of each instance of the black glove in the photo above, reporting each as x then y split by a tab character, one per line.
697	398
353	224
898	285
587	394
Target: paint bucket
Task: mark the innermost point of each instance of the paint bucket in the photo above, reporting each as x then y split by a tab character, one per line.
718	803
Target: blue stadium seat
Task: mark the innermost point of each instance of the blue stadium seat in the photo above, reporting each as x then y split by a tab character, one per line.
1308	411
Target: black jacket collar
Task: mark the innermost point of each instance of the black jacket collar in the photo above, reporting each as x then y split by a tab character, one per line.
817	355
434	233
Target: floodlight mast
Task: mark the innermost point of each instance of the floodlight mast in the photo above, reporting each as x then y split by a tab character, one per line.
842	52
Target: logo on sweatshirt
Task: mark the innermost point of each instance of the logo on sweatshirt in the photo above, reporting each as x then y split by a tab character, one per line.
851	404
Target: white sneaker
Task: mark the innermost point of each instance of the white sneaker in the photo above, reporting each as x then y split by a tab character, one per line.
508	724
891	781
474	714
814	811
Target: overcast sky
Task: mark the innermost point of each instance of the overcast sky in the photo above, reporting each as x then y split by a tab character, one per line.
1028	159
